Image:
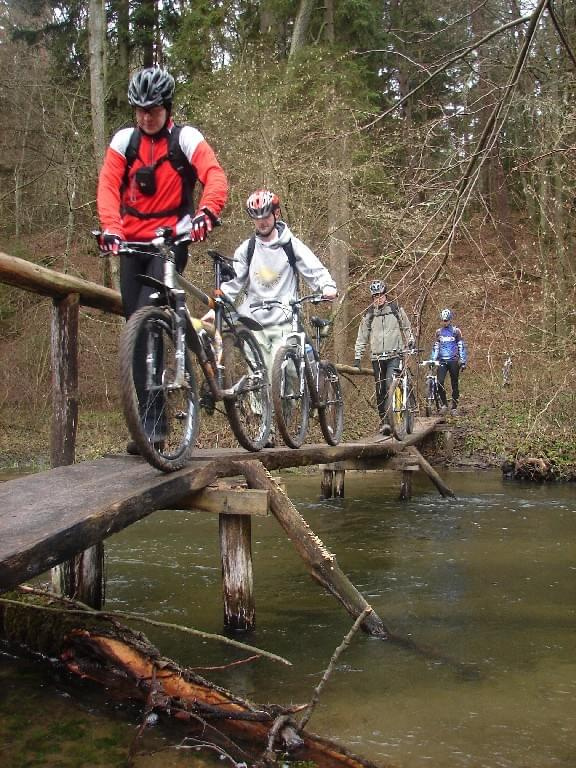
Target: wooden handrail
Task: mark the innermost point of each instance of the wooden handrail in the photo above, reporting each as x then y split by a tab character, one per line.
47	282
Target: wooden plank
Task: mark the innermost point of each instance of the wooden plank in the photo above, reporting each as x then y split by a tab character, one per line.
51	516
393	463
228	501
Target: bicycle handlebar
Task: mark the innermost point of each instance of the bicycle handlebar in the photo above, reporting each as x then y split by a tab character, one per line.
398	353
314	298
164	237
429	362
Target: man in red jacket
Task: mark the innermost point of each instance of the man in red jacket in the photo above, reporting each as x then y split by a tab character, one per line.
140	189
146	183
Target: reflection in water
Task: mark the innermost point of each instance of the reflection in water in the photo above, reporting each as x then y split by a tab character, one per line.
488	580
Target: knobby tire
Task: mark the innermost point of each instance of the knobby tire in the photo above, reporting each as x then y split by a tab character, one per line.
395	411
162	417
331	409
250	410
291	407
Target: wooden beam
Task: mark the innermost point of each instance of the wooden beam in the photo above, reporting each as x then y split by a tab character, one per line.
47	282
237	572
223	500
429	470
64	350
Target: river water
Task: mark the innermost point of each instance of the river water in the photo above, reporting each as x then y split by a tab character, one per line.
485	586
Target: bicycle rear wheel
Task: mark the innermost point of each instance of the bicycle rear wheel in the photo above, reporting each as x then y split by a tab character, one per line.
291	396
331	408
161	412
249	410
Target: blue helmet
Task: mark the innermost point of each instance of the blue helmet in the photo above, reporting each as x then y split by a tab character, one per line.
446	314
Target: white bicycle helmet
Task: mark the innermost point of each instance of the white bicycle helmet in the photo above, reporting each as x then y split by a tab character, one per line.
151	87
377	287
446	314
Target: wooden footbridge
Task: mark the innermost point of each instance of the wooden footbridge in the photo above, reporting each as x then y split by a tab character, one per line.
61	517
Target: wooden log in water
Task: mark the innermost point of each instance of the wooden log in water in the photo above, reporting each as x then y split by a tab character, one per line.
113	655
321	564
428	470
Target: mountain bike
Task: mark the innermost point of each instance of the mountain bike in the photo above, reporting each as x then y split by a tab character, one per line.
158	384
431	393
401	399
302	381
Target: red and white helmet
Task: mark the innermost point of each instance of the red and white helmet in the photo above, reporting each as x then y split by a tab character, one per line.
262	203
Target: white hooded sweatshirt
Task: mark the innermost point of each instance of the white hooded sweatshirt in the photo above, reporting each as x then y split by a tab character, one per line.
271	277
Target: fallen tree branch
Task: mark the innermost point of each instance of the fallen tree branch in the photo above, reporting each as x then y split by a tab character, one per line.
328	671
127	663
114	615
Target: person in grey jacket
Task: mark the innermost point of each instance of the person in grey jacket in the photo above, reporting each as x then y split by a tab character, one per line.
386	328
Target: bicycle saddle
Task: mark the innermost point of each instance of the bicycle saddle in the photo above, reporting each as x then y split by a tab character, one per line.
319	322
226	269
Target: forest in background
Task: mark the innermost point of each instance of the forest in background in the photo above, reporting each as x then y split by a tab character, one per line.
430	144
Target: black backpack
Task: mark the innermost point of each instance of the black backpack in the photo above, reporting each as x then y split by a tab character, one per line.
177	160
288	250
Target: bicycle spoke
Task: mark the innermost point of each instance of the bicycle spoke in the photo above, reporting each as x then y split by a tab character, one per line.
291	397
250	410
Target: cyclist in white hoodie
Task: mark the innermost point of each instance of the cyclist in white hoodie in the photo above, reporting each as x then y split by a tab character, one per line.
267	266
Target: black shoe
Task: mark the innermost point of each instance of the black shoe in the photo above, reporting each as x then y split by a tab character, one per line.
385	429
271	442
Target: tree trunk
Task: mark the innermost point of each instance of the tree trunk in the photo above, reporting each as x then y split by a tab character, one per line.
301	24
97	42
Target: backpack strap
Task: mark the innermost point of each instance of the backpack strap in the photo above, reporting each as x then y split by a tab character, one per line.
178	161
288	250
394	309
369	314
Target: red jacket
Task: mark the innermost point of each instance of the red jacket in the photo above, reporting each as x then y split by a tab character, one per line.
111	197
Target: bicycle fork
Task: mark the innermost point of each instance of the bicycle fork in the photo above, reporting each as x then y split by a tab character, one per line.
298	342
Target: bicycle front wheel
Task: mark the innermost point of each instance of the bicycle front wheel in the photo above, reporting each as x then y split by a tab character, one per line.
291	396
249	408
411	408
159	397
432	399
331	408
396	412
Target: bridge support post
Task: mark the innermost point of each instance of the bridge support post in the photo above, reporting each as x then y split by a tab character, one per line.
237	576
83	577
332	483
406	485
